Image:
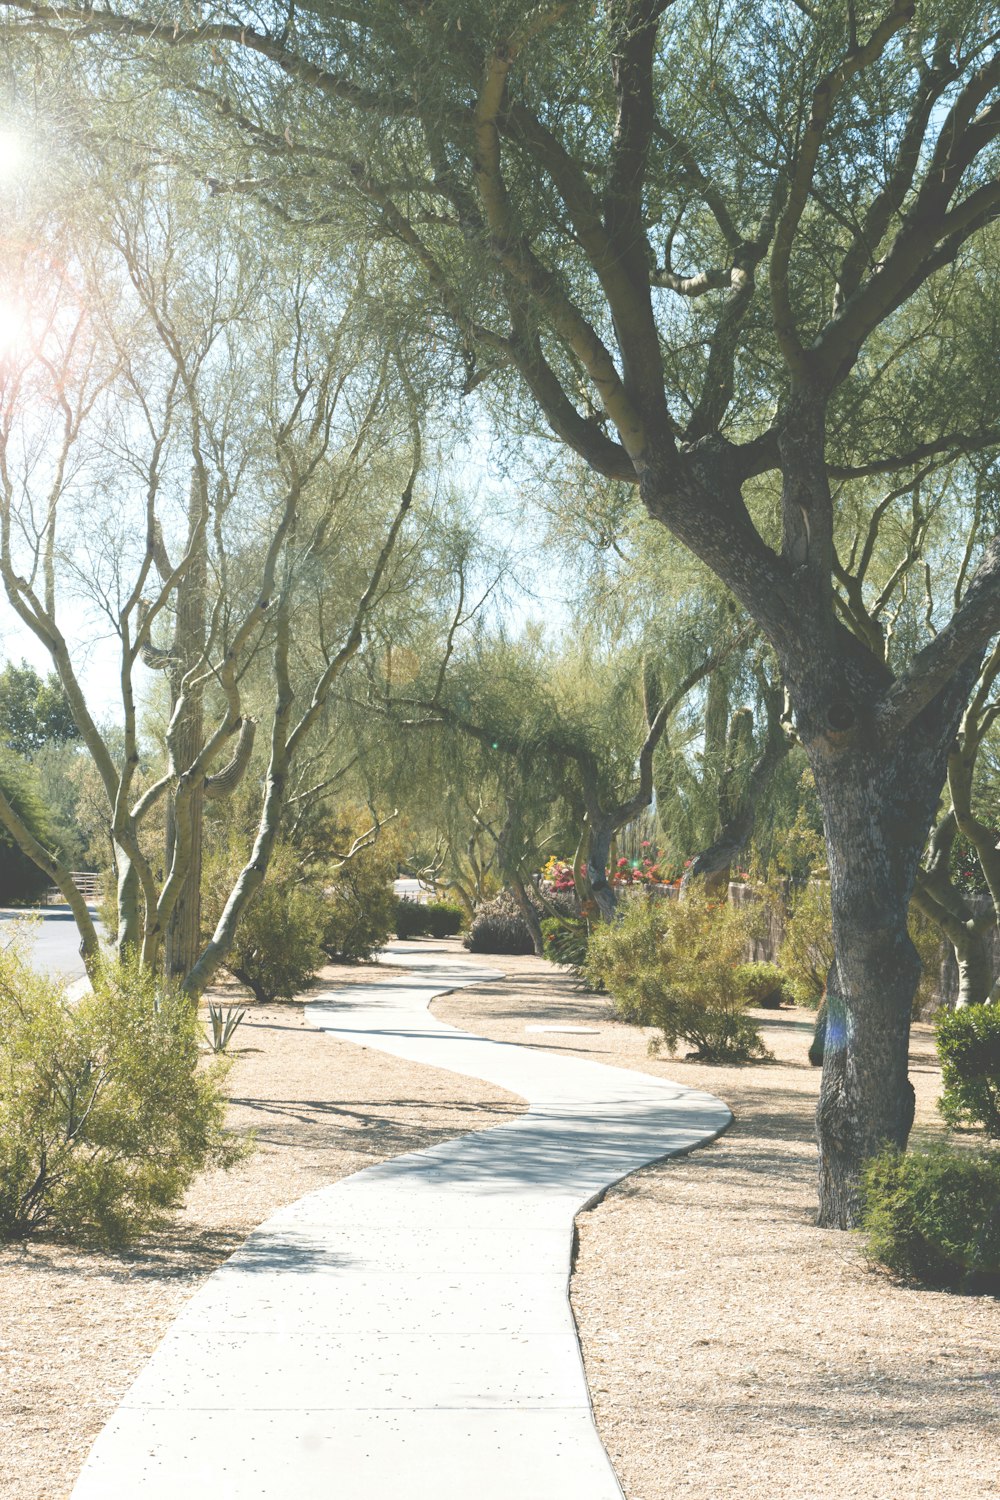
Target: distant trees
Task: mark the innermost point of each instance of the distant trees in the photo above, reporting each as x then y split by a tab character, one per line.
34	711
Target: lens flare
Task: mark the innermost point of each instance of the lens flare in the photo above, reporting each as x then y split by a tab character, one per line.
13	327
11	154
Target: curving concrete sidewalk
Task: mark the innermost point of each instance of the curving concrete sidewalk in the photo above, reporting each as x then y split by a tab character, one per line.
406	1334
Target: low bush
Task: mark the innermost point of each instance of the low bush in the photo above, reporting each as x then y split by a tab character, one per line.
411	920
360	901
968	1044
105	1113
498	927
438	919
278	944
762	985
934	1215
673	965
806	950
444	919
565	941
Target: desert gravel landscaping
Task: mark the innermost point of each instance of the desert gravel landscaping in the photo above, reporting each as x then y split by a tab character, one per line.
77	1326
732	1349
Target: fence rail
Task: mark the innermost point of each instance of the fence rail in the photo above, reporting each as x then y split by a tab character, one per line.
86	882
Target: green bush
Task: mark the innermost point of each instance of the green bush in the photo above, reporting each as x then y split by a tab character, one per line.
806	951
360	902
278	944
411	918
762	985
673	964
444	919
968	1044
105	1114
438	919
934	1215
565	941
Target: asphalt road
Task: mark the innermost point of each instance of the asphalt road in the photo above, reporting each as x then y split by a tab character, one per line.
53	941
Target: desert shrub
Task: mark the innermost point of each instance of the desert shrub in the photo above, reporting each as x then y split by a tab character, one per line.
278	944
498	927
934	1215
806	951
673	965
444	919
968	1044
761	984
565	941
360	901
105	1114
411	919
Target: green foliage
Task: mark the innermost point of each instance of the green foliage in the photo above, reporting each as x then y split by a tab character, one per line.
20	878
806	951
278	945
411	918
34	711
934	1215
968	1044
673	964
437	919
224	1023
446	919
498	927
360	903
763	985
105	1114
565	941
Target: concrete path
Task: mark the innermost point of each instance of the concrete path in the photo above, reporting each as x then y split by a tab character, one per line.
406	1334
51	940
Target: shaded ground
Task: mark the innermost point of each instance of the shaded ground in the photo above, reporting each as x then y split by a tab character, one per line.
76	1326
732	1348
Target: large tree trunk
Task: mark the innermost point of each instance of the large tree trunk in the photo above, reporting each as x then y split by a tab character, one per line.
528	912
877	807
602	832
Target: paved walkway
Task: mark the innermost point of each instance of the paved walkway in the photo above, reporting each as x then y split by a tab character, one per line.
406	1334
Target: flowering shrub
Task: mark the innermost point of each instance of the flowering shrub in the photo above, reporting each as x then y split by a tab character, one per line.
558	875
648	869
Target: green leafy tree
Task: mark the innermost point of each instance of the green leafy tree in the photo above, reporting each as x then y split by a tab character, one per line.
745	261
34	711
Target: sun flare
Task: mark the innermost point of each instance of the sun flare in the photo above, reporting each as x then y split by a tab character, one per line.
13	326
11	154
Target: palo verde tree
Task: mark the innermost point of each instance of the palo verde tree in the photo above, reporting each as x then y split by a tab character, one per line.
241	461
731	255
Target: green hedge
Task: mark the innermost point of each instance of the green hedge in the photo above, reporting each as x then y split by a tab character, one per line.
437	919
968	1044
934	1215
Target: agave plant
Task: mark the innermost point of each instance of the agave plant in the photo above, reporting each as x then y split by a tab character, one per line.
224	1024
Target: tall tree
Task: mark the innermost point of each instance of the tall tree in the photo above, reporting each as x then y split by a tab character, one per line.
732	255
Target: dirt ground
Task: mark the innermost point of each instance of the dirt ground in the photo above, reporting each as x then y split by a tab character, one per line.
76	1326
732	1348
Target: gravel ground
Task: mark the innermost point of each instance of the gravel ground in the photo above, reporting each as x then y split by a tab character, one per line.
76	1326
732	1348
